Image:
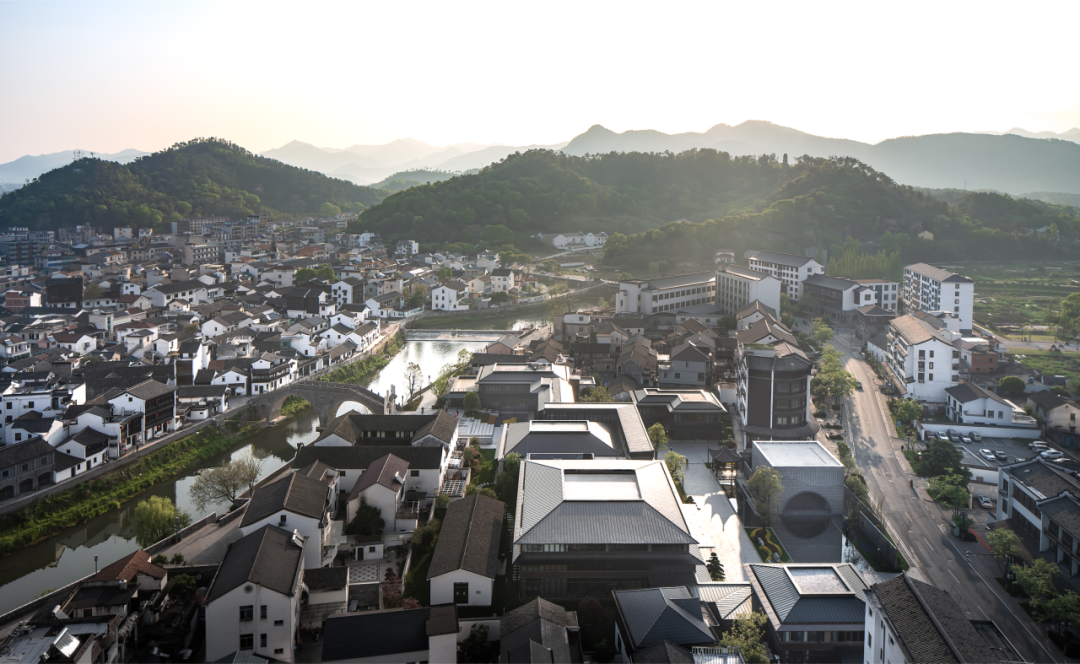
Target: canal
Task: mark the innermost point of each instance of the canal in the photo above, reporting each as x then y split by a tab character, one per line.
69	555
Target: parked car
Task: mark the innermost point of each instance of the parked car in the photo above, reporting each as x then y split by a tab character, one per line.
986	503
1000	456
954	436
859	384
1038	445
1051	454
941	435
975	436
986	454
965	438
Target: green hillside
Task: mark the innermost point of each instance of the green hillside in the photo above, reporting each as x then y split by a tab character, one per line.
744	202
403	180
199	178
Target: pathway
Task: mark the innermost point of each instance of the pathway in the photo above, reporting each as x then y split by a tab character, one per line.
207	545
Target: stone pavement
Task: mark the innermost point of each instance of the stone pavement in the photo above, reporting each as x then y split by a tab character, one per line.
207	545
713	520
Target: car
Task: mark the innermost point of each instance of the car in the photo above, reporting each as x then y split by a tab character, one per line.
941	435
1038	445
859	384
986	503
965	438
953	436
975	436
1000	456
986	454
1051	454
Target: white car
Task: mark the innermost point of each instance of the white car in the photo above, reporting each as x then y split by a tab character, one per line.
986	454
965	438
985	502
1051	454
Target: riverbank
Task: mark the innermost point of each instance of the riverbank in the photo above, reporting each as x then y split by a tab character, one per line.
366	369
499	318
52	514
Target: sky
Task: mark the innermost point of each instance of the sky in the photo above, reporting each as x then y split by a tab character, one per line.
107	76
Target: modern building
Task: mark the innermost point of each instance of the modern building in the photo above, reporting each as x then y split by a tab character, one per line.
872	320
837	298
253	604
911	622
790	269
621	421
514	390
773	384
929	288
684	413
921	359
888	292
663	294
968	403
738	287
539	631
815	612
428	634
587	527
1037	500
466	556
648	617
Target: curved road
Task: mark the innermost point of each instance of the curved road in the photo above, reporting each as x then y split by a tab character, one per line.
921	525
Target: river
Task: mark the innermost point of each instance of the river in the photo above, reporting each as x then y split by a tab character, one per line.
69	555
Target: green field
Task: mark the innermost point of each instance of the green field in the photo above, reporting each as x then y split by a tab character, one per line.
1049	362
1010	295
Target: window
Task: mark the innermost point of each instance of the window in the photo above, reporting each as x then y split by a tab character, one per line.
414	473
283	518
279	623
247	641
262	640
931	353
278	651
262	612
931	377
247	612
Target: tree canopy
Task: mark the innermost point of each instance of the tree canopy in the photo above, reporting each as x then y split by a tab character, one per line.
156	518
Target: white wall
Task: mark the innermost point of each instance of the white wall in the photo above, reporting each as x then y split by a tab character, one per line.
985	431
223	625
442	588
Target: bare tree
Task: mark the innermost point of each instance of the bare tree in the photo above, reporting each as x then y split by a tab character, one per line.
414	378
226	482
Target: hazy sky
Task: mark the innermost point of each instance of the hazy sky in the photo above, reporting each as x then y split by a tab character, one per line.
109	76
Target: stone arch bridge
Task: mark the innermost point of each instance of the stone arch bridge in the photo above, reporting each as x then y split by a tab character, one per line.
325	397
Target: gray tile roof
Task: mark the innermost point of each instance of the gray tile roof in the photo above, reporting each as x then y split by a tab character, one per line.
793	606
937	273
930	624
1065	511
11	455
269	557
968	392
326	578
384	471
664	652
536	632
780	258
1043	478
832	283
534	437
150	389
360	457
652	615
295	492
469	538
375	634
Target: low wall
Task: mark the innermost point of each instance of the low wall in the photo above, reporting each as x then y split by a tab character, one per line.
983	430
157	547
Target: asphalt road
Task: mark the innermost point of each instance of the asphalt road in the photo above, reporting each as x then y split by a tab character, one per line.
921	525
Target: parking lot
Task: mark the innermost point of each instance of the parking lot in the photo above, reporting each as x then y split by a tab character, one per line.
1014	449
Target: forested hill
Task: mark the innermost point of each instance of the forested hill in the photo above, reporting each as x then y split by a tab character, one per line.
199	178
746	202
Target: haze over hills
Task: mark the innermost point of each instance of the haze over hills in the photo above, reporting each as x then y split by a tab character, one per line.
31	166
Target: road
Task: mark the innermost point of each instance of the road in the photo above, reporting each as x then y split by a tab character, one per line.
921	525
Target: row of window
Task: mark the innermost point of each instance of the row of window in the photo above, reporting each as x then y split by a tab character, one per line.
821	637
595	548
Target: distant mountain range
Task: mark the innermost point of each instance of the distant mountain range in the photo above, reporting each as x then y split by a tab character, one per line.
29	167
1017	162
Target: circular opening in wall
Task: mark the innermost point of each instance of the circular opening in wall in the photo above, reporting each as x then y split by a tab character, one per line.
806	514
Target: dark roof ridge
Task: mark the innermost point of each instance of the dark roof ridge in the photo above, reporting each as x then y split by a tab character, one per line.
934	619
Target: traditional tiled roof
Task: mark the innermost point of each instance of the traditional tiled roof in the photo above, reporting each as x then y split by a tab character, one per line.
384	471
295	492
469	539
127	567
270	557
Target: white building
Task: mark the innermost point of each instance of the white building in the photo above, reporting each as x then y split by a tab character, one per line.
298	503
253	604
929	288
738	287
450	296
576	241
970	404
666	293
888	292
789	269
466	556
922	359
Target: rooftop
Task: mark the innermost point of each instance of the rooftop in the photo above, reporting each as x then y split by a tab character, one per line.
795	453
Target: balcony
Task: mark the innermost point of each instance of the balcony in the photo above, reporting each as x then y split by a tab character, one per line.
408	510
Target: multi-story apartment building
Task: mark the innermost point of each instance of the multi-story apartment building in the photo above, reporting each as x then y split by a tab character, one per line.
773	385
201	254
654	296
929	288
590	526
738	287
888	292
195	226
921	359
790	269
1038	500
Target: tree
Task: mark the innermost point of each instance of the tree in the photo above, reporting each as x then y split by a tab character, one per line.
391	590
676	464
476	647
441	501
746	635
92	291
766	491
949	490
160	560
472	402
715	567
820	331
424	537
368	521
1037	580
1011	385
598	394
1005	544
329	210
1060	610
414	378
908	410
603	652
625	276
324	272
512	463
225	482
177	559
506	486
156	518
489	492
184	585
942	458
658	436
